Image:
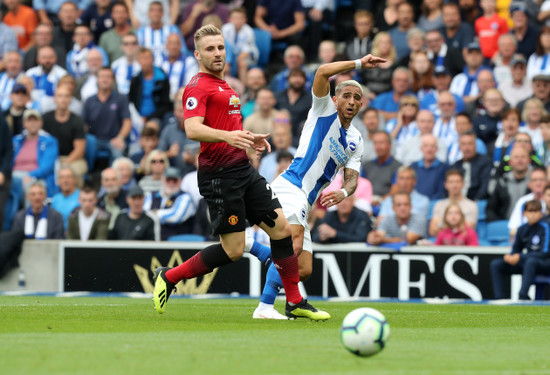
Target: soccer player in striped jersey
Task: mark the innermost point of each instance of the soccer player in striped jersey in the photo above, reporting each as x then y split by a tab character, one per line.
328	143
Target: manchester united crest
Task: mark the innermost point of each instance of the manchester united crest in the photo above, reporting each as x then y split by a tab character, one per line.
233	219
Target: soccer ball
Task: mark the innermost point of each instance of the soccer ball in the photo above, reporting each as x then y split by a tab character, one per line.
364	331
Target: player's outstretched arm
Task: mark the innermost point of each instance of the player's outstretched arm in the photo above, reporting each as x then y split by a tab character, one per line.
348	188
197	131
321	85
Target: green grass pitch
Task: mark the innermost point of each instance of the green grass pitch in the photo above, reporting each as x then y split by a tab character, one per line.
49	335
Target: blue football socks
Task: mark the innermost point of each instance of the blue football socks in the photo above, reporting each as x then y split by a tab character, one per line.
272	286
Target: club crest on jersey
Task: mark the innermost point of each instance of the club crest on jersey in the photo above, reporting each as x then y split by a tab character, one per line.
234	101
303	213
233	220
191	103
352	146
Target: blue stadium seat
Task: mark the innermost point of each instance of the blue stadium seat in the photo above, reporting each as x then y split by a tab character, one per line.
89	153
541	282
431	209
263	41
12	203
187	238
481	227
498	233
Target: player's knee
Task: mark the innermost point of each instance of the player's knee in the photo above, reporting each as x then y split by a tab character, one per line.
234	251
305	271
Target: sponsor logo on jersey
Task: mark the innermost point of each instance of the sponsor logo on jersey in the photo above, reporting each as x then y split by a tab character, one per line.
191	103
234	101
233	220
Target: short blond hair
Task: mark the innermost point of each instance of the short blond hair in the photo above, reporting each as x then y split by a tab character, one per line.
206	30
349	82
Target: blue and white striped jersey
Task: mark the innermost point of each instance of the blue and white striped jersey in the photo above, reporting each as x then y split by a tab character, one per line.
325	146
155	40
6	86
124	72
179	72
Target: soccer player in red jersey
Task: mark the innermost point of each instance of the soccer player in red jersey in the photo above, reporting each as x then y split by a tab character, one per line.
233	189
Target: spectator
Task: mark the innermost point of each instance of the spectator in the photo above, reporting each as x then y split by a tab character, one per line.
243	44
38	221
489	27
77	64
445	125
261	121
533	110
297	100
545	130
111	40
523	30
14	114
529	255
88	222
441	54
372	123
154	36
381	171
487	125
125	169
346	224
535	64
465	83
75	105
173	208
107	116
281	139
126	67
405	22
361	44
502	59
388	102
255	80
422	72
518	87
173	139
139	11
442	82
403	127
380	80
505	140
457	34
45	76
454	184
156	164
43	36
524	140
410	151
402	227
178	67
66	200
470	11
506	189
134	224
68	129
6	157
113	198
97	17
416	40
35	153
149	141
23	21
284	21
386	15
150	89
319	14
475	168
541	91
405	183
13	64
193	15
64	31
485	81
455	231
429	170
8	41
536	184
431	17
294	58
49	11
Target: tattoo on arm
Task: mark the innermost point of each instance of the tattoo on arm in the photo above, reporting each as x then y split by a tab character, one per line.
350	180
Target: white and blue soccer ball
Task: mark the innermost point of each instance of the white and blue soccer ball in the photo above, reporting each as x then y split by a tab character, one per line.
364	331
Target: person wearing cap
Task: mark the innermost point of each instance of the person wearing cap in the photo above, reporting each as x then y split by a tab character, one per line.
524	31
465	83
489	27
13	62
517	88
541	90
457	33
173	208
134	223
442	81
20	99
538	61
35	153
440	54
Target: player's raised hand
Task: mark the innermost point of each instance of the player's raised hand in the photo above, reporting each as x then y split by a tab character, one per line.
369	61
240	139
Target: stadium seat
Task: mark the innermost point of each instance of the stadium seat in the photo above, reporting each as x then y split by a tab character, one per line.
498	233
263	41
481	226
431	209
187	238
541	282
12	203
89	153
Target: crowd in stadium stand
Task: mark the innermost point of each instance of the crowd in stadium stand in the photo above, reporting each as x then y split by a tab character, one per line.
455	124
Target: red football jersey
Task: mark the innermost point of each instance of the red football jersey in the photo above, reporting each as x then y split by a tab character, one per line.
489	30
212	98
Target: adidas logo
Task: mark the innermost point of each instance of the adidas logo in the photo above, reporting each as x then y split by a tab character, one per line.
220	88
